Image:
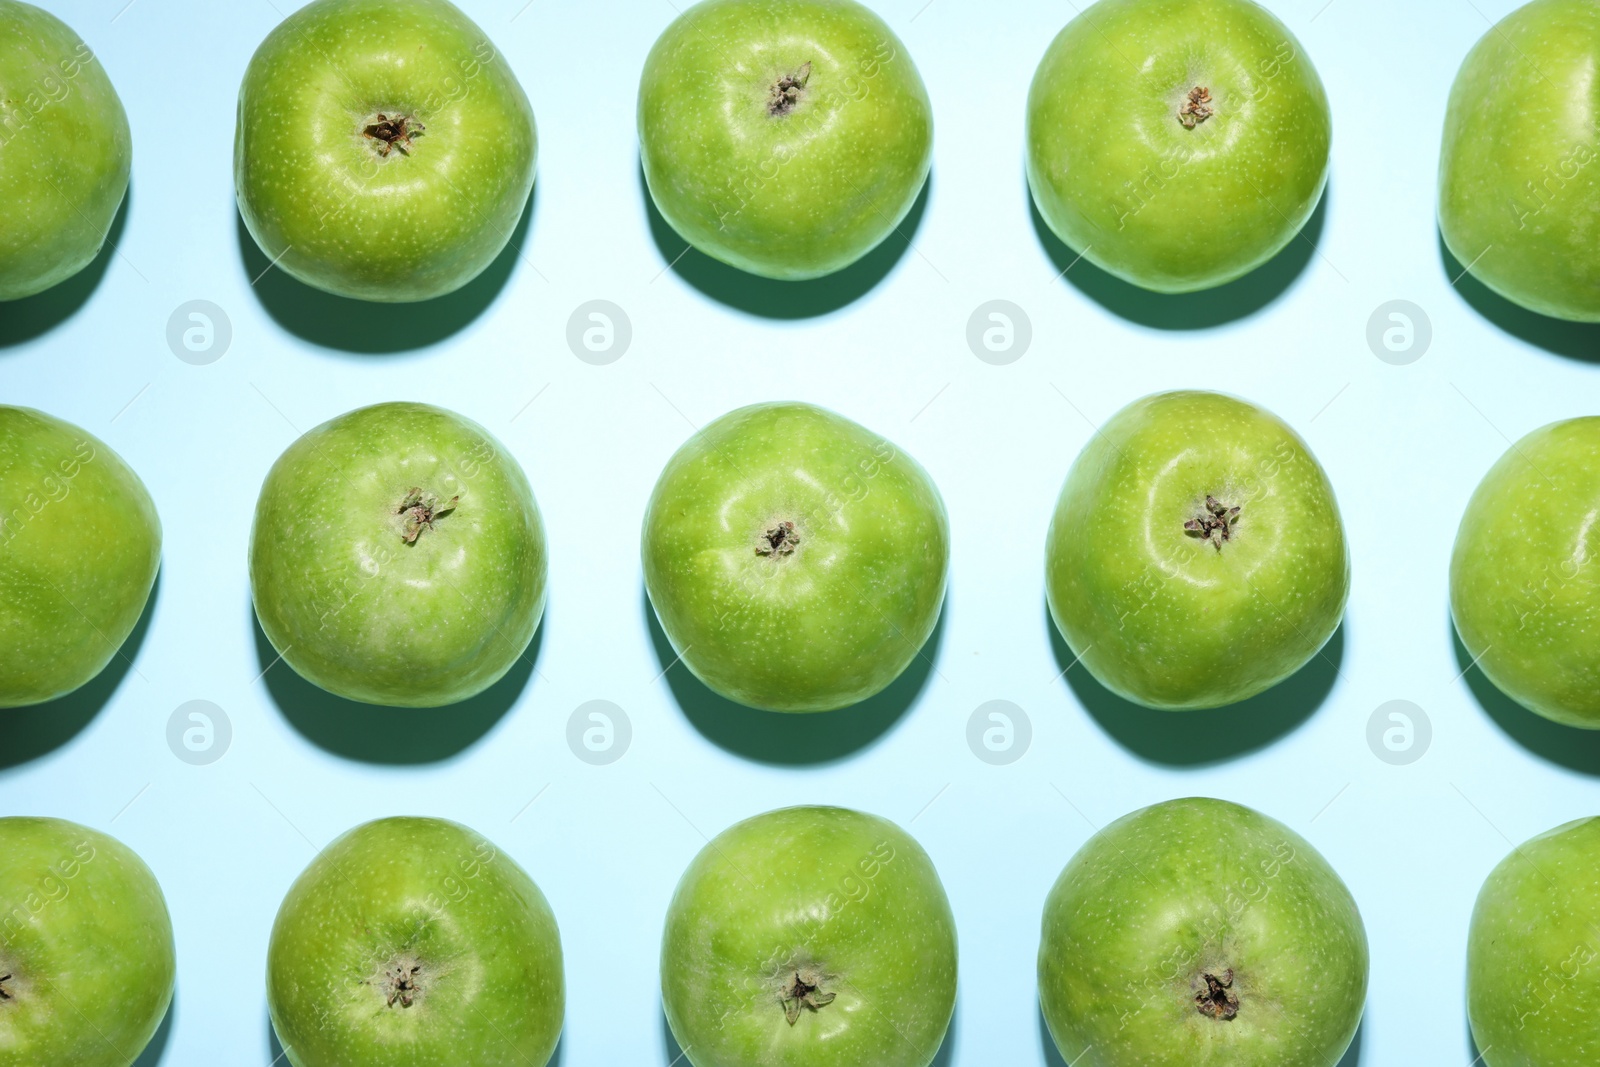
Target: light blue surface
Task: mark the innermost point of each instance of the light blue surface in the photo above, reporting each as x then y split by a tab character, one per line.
1404	446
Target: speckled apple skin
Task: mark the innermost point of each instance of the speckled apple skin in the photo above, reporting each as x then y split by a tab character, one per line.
838	619
80	544
1524	581
1519	173
438	895
313	190
1160	616
790	196
1533	953
87	942
849	894
65	151
1117	176
354	608
1170	893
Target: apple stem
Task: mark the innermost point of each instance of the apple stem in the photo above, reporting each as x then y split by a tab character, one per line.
393	132
803	992
785	94
421	511
1196	107
1217	1000
1215	523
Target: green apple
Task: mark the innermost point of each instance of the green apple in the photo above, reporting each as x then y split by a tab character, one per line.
86	956
65	151
810	937
1196	556
385	149
1519	173
1524	586
786	137
1177	144
1532	989
398	557
80	544
797	561
415	943
1201	933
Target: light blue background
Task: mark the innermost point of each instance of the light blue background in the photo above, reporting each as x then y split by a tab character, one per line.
1404	446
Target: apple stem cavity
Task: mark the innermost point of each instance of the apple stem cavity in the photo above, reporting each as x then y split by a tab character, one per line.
1214	524
803	991
1217	1000
421	511
1196	107
392	133
785	94
778	541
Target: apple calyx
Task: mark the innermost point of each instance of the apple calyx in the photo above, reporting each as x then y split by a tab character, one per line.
421	511
402	983
392	132
785	94
1196	107
1215	523
5	994
1217	1000
803	991
778	541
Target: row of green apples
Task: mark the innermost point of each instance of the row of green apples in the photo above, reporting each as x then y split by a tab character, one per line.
385	148
796	560
1195	932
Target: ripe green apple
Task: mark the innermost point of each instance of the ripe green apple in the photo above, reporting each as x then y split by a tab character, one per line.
1201	933
1532	993
65	151
385	149
1519	173
1196	556
786	137
797	561
1524	589
398	557
1178	144
86	957
810	937
415	943
80	543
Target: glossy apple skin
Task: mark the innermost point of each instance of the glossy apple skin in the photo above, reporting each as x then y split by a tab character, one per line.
65	151
1524	583
361	612
1519	174
1171	893
425	893
1161	616
849	897
835	620
315	192
80	544
1119	177
87	944
789	196
1532	997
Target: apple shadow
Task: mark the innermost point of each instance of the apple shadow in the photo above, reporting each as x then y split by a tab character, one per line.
674	1054
368	327
373	733
1579	340
1197	738
34	731
157	1048
274	1046
786	738
23	320
1237	299
769	297
1052	1055
1567	746
1472	1040
1352	1055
